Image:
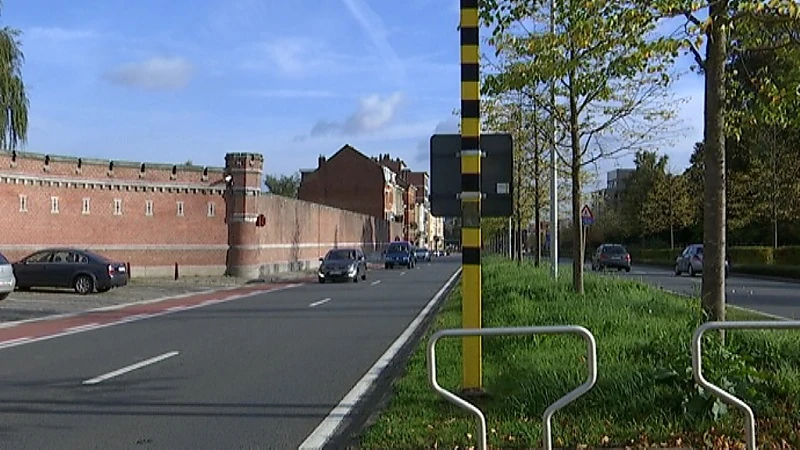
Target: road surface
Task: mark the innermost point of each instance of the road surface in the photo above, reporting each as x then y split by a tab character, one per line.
255	372
779	298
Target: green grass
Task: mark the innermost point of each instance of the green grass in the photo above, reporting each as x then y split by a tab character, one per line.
644	392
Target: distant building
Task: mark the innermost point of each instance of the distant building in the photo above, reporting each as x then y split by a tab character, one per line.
616	182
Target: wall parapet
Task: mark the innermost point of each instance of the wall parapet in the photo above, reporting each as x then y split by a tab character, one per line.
128	185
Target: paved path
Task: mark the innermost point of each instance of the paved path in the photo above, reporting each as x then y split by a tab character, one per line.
261	366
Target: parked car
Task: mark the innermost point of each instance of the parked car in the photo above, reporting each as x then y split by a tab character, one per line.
399	253
691	261
611	256
343	264
7	279
82	270
423	254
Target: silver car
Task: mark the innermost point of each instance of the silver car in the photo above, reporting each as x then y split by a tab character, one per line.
7	280
691	261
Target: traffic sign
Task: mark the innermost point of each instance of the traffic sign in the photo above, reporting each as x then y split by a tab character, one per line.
587	218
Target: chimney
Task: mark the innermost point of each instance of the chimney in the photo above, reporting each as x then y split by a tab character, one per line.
321	161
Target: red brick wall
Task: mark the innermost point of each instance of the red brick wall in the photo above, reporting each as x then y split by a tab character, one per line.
151	243
297	232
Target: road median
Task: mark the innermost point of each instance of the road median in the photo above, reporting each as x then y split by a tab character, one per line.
644	396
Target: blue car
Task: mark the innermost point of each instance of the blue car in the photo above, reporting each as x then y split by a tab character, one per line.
399	254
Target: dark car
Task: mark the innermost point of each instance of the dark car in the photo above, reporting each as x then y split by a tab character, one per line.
613	256
399	253
691	261
82	270
343	264
423	254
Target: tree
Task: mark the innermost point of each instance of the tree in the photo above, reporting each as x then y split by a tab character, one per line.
668	205
283	185
611	76
13	95
724	15
640	184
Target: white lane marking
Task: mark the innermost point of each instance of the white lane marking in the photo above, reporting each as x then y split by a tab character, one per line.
133	318
376	282
325	430
13	342
83	327
321	302
130	368
23	341
402	273
176	308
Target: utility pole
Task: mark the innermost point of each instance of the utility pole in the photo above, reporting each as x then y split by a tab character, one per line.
553	163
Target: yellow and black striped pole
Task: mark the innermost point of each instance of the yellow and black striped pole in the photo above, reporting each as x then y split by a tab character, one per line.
470	194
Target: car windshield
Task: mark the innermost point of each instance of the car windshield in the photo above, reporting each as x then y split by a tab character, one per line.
397	248
614	250
3	259
340	255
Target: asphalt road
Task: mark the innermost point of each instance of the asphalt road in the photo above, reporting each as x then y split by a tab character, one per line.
779	298
259	372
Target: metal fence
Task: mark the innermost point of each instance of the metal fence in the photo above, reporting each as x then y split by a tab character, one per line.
591	361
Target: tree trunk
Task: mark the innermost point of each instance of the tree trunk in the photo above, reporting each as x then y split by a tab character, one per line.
714	230
537	259
577	227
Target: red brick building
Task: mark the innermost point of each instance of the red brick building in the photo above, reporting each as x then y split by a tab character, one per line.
353	181
158	215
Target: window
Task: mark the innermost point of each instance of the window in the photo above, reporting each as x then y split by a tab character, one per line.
180	209
117	206
23	203
54	205
148	208
85	205
211	209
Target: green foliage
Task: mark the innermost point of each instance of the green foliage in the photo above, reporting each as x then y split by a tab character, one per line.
643	338
13	95
283	185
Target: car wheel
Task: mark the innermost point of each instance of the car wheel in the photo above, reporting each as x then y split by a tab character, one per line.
677	271
322	280
627	269
83	284
364	276
4	295
355	279
386	266
691	270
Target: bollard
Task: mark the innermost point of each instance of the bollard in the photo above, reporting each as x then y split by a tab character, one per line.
128	268
176	271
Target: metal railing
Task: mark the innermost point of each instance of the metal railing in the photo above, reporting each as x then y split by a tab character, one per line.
697	367
547	434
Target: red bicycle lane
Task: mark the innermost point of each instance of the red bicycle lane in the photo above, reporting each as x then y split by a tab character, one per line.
18	333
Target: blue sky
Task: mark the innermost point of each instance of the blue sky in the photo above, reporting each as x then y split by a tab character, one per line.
170	81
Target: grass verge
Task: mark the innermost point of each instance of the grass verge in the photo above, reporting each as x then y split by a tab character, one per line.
644	393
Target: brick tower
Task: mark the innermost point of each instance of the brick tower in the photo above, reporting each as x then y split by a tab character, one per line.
241	200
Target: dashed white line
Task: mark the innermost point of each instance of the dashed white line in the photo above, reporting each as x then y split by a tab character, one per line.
321	302
84	327
376	282
402	273
130	368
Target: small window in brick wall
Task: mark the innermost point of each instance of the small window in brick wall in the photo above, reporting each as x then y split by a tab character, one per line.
148	208
86	205
212	209
23	203
180	209
54	205
117	206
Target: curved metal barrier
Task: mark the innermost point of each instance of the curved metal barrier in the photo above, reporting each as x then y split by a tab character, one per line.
547	438
697	367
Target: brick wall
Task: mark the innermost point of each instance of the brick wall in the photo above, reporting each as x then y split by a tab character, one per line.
170	214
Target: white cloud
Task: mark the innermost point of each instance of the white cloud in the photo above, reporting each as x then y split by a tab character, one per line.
447	126
60	34
291	93
154	74
377	32
374	113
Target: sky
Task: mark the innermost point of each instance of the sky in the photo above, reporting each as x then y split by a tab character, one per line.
157	81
